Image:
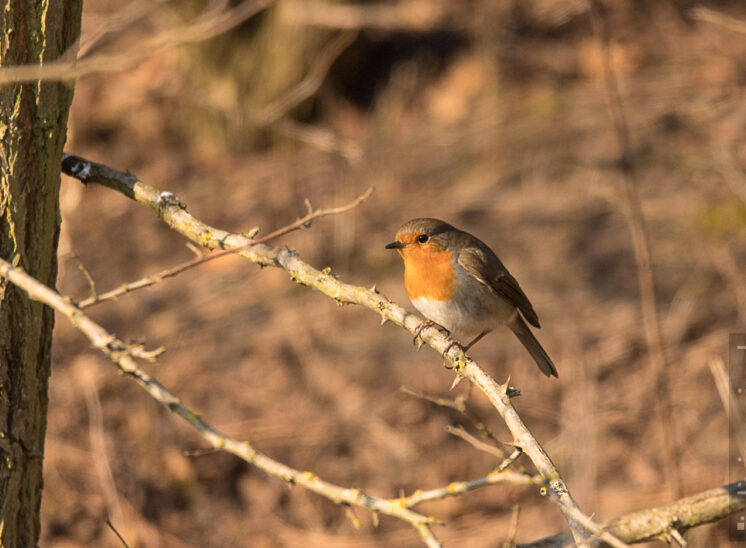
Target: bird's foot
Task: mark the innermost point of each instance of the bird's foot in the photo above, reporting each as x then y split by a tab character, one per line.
451	345
425	325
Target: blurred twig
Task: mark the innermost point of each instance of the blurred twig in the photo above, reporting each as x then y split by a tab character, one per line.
711	16
124	17
174	213
321	138
210	23
411	15
510	540
99	454
459	404
309	85
303	222
643	255
115	350
460	432
119	536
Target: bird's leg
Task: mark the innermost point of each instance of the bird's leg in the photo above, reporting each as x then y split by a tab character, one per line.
426	324
451	345
476	340
468	346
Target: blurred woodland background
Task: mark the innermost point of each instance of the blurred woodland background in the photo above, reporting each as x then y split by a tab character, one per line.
492	115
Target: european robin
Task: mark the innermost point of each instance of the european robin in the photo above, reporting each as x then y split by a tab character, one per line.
456	281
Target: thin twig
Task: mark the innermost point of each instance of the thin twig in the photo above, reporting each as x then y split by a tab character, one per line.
149	281
412	15
100	457
89	278
712	16
678	537
305	222
456	488
460	432
643	255
513	531
459	403
120	537
124	17
116	351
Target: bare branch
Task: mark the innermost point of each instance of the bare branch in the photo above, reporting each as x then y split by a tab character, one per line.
460	432
682	515
116	351
173	213
459	487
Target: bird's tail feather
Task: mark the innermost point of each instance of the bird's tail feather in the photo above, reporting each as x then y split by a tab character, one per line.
527	338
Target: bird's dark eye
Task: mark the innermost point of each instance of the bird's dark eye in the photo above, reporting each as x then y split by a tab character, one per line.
422	238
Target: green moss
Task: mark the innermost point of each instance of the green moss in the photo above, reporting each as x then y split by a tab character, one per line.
723	219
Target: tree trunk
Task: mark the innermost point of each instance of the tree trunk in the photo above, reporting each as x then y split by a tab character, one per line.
33	124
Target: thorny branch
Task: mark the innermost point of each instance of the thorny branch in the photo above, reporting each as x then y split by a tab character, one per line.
682	515
174	213
117	351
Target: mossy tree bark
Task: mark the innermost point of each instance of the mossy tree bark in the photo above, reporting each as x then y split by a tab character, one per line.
33	124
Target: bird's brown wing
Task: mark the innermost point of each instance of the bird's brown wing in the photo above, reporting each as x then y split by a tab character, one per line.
480	262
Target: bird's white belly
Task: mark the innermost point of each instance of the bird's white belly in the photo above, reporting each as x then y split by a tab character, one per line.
466	322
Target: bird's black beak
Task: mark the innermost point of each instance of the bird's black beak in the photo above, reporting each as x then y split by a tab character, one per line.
395	245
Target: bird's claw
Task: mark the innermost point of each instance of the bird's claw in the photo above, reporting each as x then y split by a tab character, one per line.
425	325
451	345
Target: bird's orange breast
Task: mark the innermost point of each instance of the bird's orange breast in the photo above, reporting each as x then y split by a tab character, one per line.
428	273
